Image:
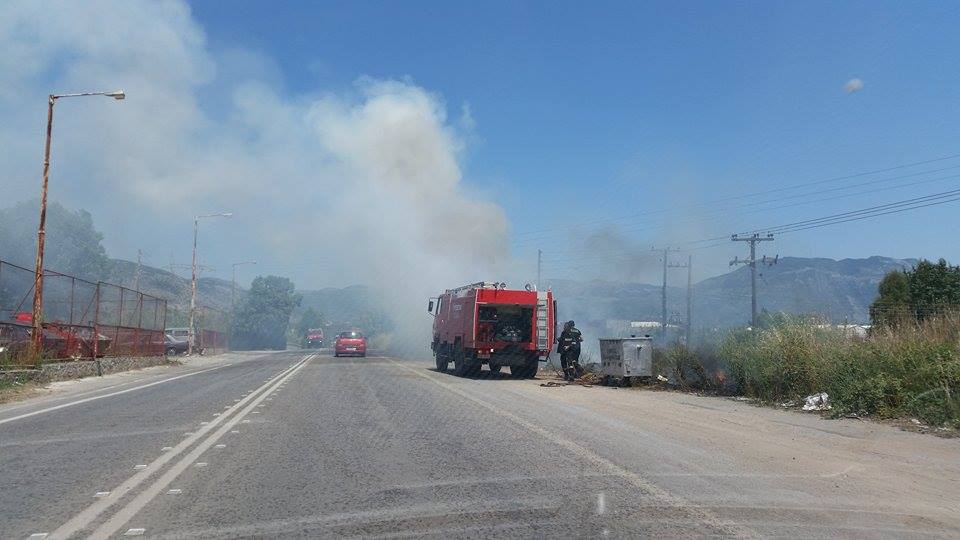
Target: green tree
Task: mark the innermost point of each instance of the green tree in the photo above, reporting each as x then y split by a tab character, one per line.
72	244
934	288
262	319
310	318
893	306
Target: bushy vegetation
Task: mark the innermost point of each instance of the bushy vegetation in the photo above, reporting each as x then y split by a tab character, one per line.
908	370
262	318
907	296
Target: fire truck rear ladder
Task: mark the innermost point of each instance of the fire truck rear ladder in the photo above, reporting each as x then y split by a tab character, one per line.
542	321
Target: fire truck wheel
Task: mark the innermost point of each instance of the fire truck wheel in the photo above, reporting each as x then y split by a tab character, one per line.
462	366
442	363
494	368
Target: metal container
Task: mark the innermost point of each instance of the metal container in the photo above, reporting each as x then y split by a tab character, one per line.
626	357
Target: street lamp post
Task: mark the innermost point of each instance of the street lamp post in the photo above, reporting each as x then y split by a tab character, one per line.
37	321
191	331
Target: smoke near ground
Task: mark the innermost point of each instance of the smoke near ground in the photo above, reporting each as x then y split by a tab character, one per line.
357	185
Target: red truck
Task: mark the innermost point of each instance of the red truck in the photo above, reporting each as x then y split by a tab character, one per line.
486	323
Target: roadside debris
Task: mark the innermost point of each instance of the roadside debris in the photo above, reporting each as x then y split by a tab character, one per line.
817	402
661	378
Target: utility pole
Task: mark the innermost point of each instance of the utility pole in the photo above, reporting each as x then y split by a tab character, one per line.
539	266
687	265
193	280
663	291
136	275
689	299
752	261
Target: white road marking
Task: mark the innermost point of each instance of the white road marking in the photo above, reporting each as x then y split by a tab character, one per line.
174	491
94	398
664	496
138	467
216	414
187	434
246	421
200	464
134	532
166	448
204	423
39	535
220	446
101	494
84	518
601	504
144	497
235	431
256	412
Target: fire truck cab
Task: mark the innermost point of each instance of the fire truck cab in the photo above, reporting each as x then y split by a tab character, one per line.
486	323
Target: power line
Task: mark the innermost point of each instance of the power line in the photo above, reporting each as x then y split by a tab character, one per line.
895	207
770	191
706	217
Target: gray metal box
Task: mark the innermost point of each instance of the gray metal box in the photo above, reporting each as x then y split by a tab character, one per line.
627	357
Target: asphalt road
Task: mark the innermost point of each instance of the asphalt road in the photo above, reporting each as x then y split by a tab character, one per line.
292	444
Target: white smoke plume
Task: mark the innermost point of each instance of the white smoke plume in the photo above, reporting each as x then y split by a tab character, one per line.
359	186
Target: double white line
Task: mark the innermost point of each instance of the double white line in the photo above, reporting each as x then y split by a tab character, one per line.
219	426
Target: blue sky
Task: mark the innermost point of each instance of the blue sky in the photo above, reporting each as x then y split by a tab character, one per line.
585	111
600	129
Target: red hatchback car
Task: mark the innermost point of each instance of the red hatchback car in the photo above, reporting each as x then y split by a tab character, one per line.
350	343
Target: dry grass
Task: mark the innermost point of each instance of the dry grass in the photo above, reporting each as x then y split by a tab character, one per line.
911	371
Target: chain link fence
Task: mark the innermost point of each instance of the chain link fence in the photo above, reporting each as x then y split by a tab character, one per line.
81	318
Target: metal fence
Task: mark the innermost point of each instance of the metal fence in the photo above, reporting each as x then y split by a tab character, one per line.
212	325
81	319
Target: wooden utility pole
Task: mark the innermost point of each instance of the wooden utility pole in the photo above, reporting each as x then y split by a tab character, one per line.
663	291
687	265
136	275
752	262
539	266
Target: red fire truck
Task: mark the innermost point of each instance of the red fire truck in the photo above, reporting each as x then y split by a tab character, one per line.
486	323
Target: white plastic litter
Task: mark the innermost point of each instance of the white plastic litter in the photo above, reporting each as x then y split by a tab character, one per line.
817	402
661	378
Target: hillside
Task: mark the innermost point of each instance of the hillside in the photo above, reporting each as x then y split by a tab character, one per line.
839	290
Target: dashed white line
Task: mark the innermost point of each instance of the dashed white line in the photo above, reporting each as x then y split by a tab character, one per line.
135	532
174	491
200	464
220	446
144	497
39	535
166	449
139	467
87	516
235	431
101	494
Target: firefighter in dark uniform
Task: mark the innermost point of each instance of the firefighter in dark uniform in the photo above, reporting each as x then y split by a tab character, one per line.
569	349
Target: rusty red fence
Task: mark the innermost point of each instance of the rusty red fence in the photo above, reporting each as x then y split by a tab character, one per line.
81	318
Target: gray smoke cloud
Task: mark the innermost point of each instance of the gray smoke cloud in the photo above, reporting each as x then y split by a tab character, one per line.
358	186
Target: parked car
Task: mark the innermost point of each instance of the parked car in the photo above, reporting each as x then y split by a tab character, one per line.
174	346
350	344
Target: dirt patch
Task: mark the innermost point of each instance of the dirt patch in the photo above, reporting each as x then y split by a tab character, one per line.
15	388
